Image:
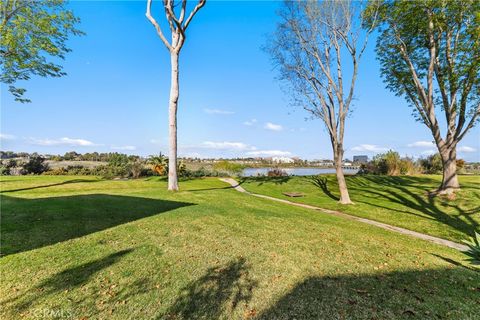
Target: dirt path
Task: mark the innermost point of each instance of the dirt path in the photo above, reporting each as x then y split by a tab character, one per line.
385	226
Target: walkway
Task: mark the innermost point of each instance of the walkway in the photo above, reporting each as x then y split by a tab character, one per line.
385	226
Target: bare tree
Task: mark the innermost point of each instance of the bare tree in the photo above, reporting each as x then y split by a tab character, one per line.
317	47
178	22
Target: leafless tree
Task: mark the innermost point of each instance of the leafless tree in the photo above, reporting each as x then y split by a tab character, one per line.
317	48
178	22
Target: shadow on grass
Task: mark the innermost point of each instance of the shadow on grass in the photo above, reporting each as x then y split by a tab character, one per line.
33	223
220	290
428	294
322	183
262	179
68	279
52	185
412	194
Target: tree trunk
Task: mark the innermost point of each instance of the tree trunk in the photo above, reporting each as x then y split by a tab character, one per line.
450	179
342	185
172	121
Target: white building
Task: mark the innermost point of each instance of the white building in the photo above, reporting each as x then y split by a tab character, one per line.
282	160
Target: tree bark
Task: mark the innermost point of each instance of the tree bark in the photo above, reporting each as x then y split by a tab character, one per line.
172	120
342	185
450	179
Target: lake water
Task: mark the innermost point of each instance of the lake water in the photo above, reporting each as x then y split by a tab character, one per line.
252	172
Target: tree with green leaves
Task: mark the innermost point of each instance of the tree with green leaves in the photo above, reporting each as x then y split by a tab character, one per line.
33	35
429	53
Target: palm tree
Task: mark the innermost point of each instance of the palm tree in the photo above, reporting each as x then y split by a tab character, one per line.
159	164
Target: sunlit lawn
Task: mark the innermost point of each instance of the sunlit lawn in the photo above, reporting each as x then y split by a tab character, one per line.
83	248
401	201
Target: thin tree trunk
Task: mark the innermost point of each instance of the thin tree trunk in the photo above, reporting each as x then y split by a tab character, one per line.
172	120
342	185
450	179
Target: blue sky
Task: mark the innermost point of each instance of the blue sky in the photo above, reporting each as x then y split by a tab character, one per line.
115	96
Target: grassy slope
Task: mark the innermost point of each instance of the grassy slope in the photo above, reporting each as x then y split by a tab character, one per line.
82	247
401	201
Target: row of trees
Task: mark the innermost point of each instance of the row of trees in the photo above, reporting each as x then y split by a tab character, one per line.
429	53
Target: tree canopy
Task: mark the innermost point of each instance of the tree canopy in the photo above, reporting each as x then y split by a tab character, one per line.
33	36
429	52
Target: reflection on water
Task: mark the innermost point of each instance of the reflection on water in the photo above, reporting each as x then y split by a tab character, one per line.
252	172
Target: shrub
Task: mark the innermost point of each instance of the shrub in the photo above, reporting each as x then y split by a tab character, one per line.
136	169
228	167
389	163
473	251
56	172
35	165
118	166
4	171
460	164
407	166
431	164
277	173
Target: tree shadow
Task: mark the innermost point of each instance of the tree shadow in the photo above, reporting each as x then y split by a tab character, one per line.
322	183
68	279
209	189
455	263
412	194
33	223
220	290
262	179
51	185
427	294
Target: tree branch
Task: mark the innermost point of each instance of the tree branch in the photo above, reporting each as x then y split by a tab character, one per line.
156	25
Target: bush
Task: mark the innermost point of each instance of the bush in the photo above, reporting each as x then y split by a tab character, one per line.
228	167
56	172
460	164
136	169
4	171
389	163
408	167
277	173
432	164
35	165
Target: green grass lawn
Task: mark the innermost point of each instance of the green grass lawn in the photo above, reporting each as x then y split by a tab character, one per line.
84	248
400	201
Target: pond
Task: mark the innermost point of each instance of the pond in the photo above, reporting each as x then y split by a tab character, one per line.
252	172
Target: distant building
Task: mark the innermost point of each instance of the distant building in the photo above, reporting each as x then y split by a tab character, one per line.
282	160
360	159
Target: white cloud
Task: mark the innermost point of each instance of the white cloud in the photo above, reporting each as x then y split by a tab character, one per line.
421	144
298	130
62	142
226	145
250	122
268	153
129	148
217	111
4	136
273	126
369	148
428	152
466	149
